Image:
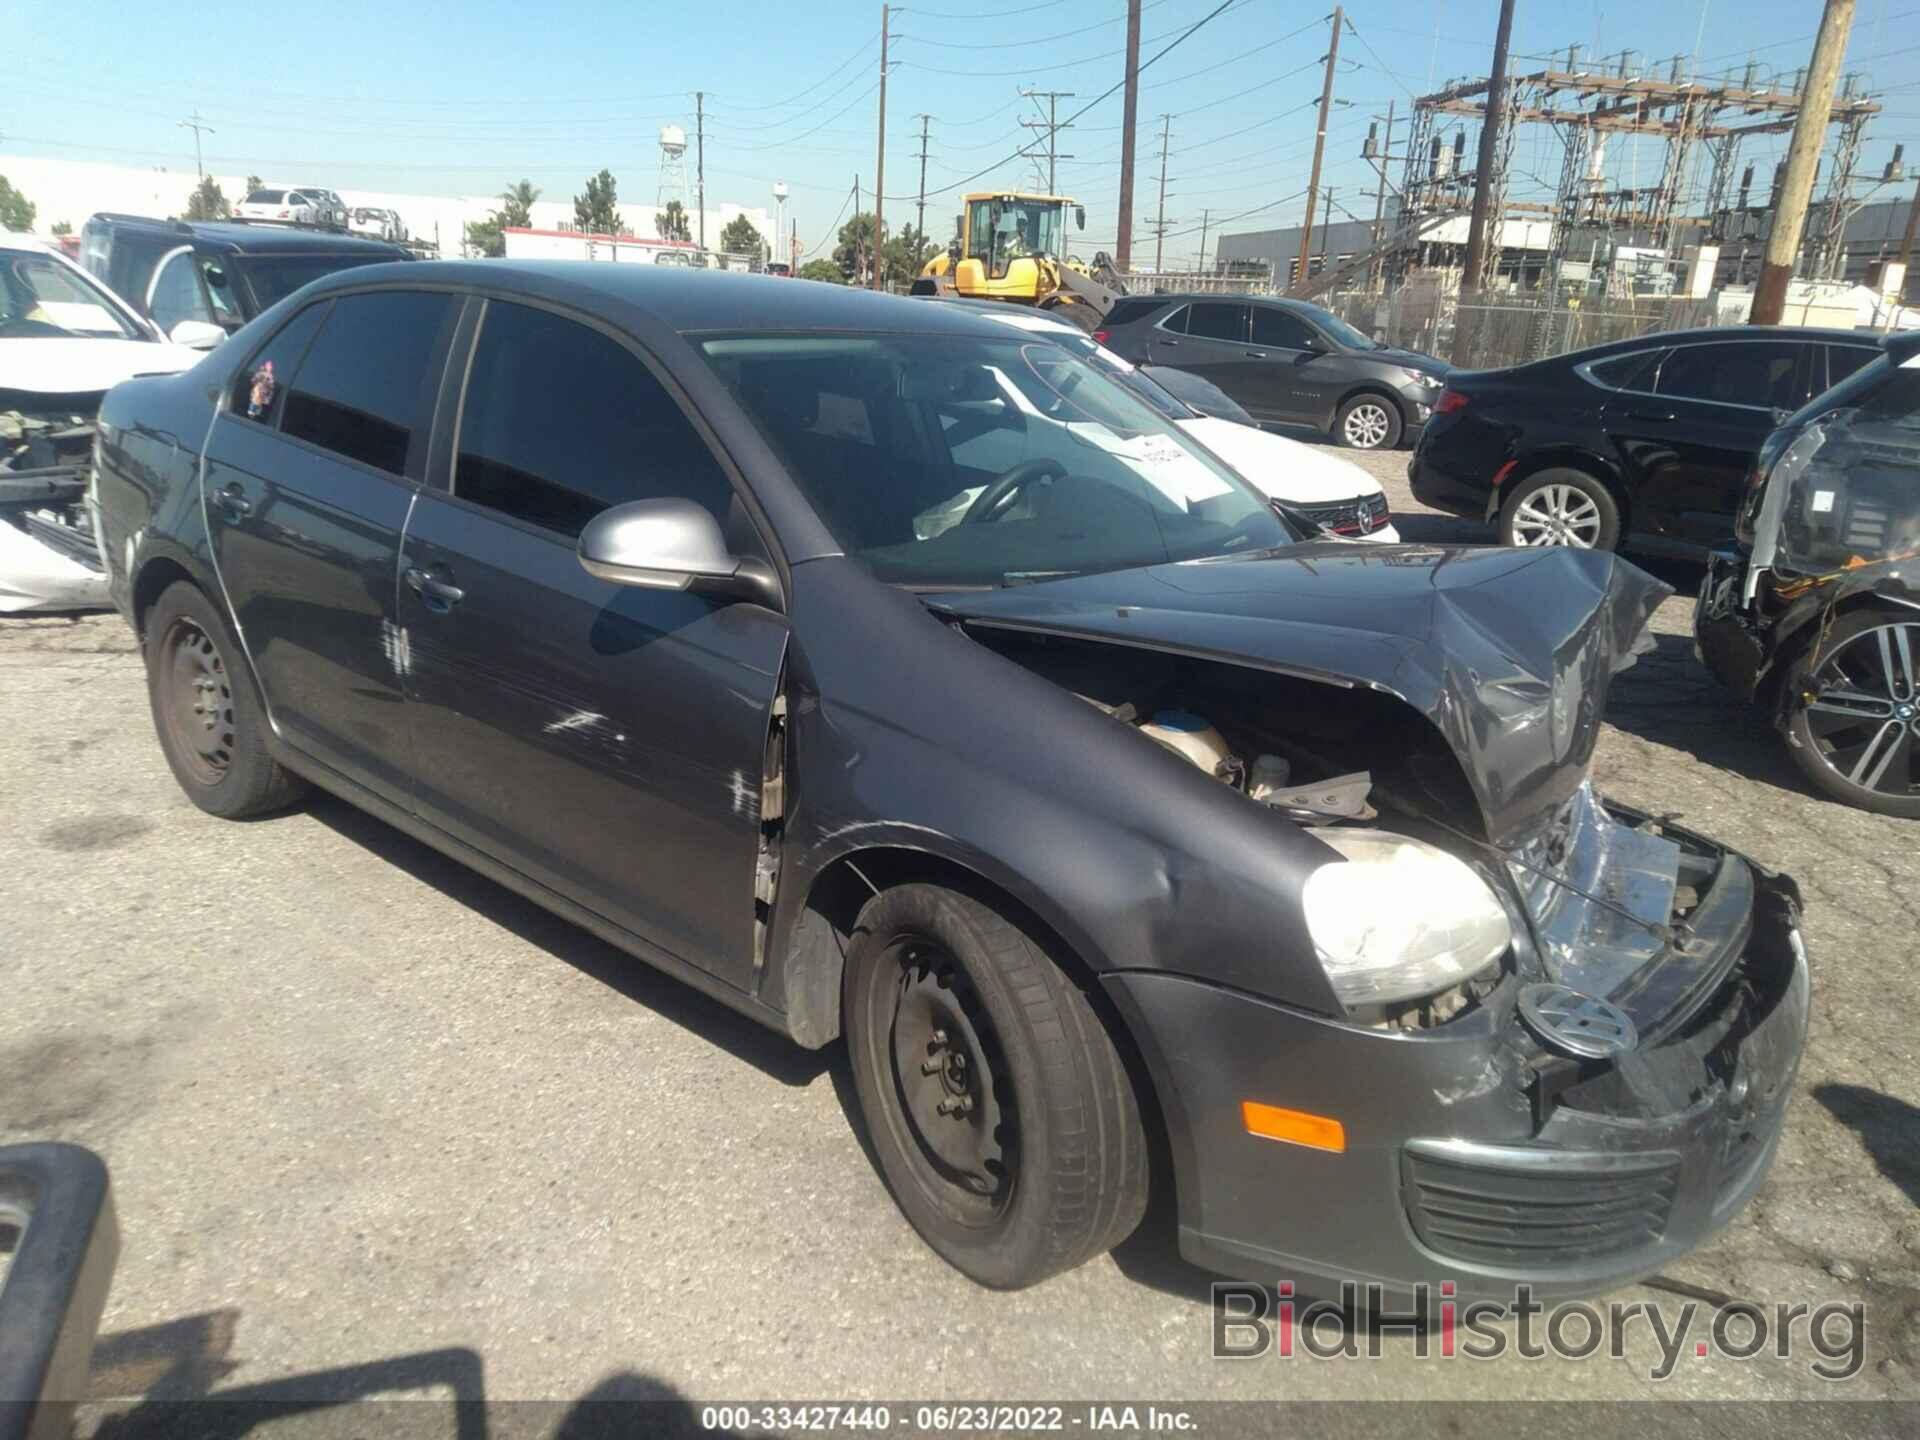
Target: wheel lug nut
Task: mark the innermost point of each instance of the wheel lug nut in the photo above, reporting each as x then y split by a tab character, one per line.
958	1105
931	1067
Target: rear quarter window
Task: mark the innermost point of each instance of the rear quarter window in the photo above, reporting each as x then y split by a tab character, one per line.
1132	308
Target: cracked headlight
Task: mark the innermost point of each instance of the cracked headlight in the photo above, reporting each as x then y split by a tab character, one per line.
1397	919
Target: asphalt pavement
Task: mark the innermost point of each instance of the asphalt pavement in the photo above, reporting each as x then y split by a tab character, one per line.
378	1126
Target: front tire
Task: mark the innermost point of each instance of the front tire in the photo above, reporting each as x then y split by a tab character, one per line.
1368	422
206	712
1004	1120
1561	507
1854	723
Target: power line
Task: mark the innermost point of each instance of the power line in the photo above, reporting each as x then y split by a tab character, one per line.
1030	42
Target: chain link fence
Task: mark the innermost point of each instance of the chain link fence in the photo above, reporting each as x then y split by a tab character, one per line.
1496	335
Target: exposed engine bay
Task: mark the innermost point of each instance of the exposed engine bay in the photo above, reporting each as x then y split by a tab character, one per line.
49	558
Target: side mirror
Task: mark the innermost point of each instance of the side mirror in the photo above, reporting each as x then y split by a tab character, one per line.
670	544
1080	216
197	334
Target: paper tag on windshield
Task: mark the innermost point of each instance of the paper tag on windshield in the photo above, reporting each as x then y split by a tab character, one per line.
1822	501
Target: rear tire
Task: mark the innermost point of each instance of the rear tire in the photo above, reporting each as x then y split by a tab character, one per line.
1368	422
1858	739
206	712
1561	507
1004	1120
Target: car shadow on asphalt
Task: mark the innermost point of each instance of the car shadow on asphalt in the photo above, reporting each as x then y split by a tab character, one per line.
1886	1126
767	1051
172	1370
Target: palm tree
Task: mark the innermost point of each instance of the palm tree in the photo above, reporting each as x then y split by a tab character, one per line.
517	201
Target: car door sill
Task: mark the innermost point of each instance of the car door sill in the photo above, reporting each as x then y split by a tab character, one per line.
356	794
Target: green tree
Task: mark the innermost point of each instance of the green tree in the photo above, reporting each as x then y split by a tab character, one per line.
517	205
484	237
826	270
740	237
63	227
672	222
16	211
254	182
854	252
907	252
207	202
595	212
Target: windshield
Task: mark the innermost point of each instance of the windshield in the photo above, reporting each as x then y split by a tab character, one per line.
265	197
1150	392
275	278
1006	230
40	298
953	461
1340	330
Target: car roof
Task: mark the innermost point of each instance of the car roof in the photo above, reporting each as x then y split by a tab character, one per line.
683	299
253	239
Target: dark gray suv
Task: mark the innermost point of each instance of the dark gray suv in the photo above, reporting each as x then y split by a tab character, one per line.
1287	362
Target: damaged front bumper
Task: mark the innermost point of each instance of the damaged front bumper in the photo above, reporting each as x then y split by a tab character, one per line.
1473	1154
49	554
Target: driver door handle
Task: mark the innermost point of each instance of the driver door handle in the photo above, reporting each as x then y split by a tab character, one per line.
1256	354
234	501
437	593
1657	417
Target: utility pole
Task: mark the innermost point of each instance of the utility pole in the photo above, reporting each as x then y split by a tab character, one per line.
1803	155
1320	144
1326	229
920	213
859	235
1052	126
1130	114
1205	216
880	165
1160	220
194	123
1906	242
1381	159
700	158
1483	183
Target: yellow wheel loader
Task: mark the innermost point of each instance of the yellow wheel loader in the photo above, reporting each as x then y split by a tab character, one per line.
1013	248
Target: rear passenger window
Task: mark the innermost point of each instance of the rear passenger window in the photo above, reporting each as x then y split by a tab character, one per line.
1625	372
560	422
1216	320
362	390
1735	372
261	386
1131	308
1843	360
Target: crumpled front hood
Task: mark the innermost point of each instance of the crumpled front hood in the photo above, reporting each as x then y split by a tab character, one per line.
73	365
1509	652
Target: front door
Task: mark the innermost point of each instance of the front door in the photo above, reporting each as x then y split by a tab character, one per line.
605	741
310	471
1291	369
1687	447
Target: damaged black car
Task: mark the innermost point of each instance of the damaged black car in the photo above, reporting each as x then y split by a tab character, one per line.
1814	616
897	678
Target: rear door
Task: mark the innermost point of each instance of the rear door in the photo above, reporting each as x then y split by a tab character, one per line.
605	741
1208	338
310	471
1686	445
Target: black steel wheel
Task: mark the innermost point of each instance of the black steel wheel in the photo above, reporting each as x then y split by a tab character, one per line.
1854	718
1004	1122
206	712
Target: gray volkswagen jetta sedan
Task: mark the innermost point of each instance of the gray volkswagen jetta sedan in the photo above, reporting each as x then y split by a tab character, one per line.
895	677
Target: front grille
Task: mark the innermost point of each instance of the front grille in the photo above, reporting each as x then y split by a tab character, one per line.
1537	1209
1360	516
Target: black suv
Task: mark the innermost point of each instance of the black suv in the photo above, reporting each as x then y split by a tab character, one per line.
1645	442
214	272
1287	362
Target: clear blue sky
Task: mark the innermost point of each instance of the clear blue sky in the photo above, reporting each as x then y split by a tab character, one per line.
466	99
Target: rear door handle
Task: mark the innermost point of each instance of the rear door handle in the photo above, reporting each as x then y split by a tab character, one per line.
1657	417
1169	344
234	500
1256	354
438	594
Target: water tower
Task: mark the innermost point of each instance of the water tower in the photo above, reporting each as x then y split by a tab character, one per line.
778	247
673	169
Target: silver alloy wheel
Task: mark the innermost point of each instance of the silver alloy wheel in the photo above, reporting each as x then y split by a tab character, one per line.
1865	714
1557	515
1366	426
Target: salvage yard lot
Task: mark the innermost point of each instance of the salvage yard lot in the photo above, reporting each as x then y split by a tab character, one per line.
363	1107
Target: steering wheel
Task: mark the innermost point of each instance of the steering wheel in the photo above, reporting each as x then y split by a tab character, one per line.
995	498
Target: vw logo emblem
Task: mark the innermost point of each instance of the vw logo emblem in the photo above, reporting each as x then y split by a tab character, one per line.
1575	1024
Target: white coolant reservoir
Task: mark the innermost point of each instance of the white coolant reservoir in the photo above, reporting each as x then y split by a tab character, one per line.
1190	735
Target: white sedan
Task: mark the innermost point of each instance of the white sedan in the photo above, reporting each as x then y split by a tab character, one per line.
1332	492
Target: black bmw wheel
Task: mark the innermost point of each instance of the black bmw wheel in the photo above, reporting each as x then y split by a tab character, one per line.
1005	1123
1854	727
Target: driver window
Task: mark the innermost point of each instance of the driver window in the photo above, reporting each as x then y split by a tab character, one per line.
177	295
